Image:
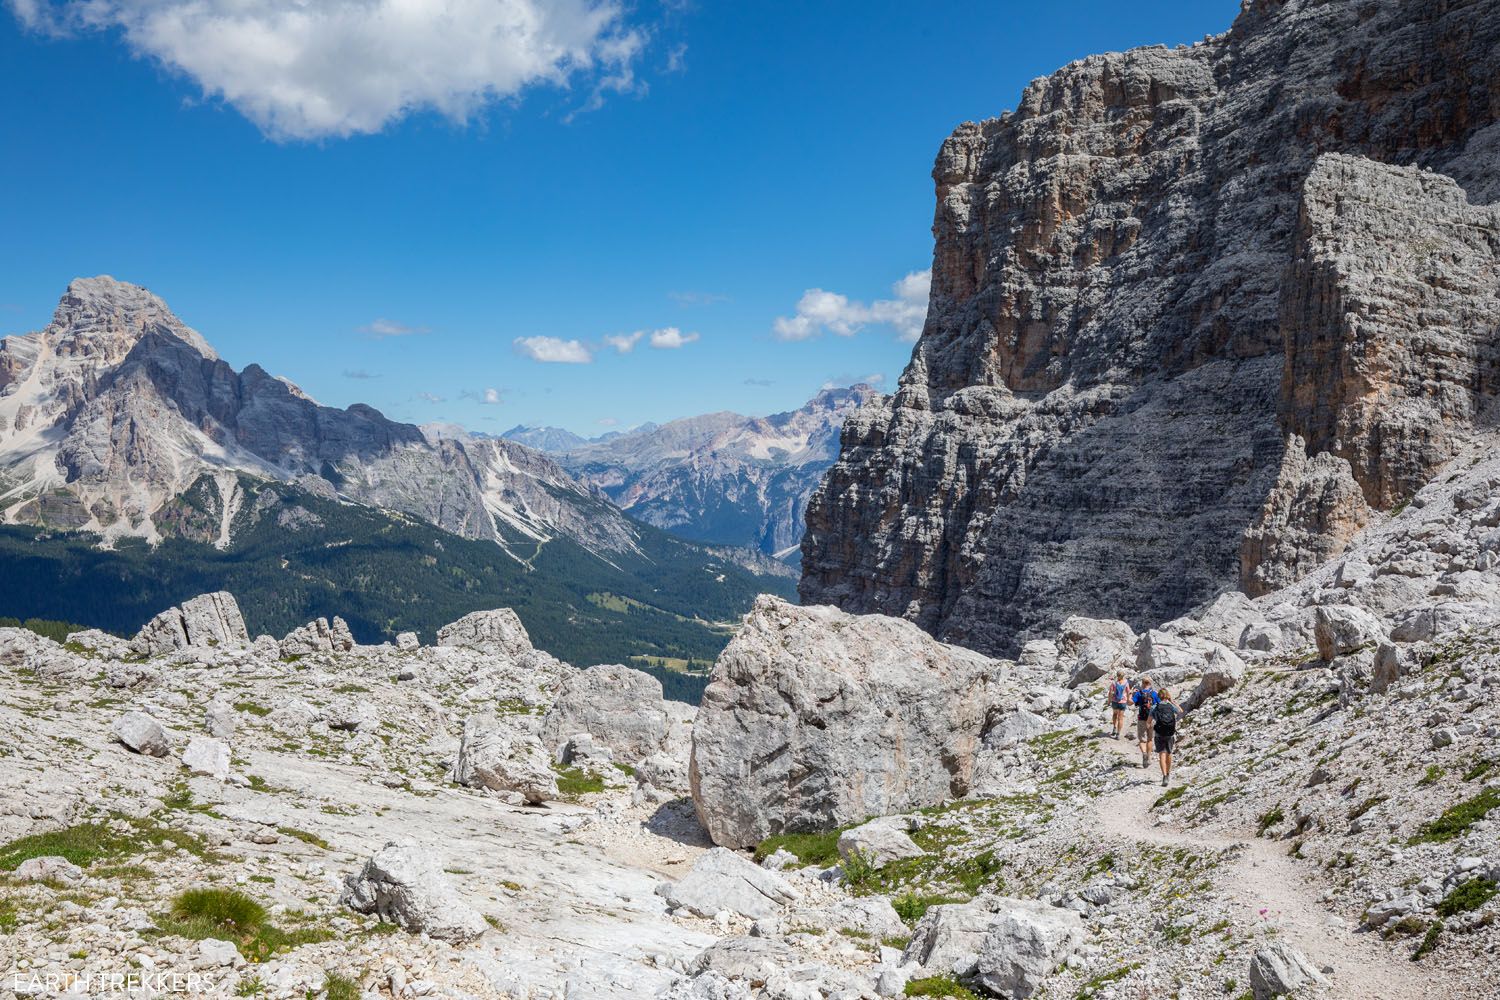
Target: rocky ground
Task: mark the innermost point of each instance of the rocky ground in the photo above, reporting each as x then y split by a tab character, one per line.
214	816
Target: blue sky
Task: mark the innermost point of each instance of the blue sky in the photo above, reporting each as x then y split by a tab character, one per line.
576	172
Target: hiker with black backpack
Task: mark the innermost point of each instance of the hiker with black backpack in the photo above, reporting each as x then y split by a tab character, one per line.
1145	700
1165	717
1119	695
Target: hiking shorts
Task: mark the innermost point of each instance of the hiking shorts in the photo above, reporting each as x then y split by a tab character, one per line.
1165	740
1143	729
1118	706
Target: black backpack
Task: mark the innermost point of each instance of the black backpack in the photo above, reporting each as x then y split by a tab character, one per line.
1165	715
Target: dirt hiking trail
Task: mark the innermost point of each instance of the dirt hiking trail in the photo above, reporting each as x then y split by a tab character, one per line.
1273	891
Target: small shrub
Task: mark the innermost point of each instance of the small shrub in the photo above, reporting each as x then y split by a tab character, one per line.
1366	806
1466	896
1429	941
8	916
1268	819
337	987
939	986
1457	818
1431	777
859	868
250	987
1408	926
910	906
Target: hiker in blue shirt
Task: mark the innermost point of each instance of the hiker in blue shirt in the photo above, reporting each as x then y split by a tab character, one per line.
1145	699
1118	698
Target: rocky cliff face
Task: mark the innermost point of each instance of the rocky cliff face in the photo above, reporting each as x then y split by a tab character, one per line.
1197	316
117	407
722	477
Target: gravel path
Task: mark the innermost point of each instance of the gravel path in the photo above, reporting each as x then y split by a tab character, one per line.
1273	888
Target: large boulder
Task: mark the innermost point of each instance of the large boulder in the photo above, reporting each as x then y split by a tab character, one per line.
1170	659
207	756
1090	648
1223	621
1222	670
1008	946
1340	628
318	636
1015	726
497	631
405	885
206	620
879	841
1027	941
814	718
722	880
504	758
141	733
1280	969
619	707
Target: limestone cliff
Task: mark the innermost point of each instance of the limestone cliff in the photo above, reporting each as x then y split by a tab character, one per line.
1197	315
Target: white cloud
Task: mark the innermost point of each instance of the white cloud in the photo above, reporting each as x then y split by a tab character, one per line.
308	69
607	422
624	342
845	381
359	373
819	311
554	350
382	328
431	397
671	338
490	397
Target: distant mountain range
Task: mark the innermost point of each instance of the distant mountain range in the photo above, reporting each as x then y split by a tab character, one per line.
119	421
721	477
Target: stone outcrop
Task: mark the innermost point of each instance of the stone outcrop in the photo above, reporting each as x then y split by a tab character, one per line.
723	881
1196	315
318	636
1007	946
206	620
504	758
618	707
499	631
404	884
814	718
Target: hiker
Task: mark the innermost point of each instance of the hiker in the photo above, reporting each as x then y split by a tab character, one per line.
1145	699
1165	717
1119	697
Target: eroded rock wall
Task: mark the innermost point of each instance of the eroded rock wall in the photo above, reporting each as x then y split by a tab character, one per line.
1158	301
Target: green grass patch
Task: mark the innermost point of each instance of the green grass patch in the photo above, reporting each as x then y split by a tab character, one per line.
303	835
939	986
820	849
1479	770
1366	806
1170	795
87	843
8	916
576	781
1466	896
1431	777
252	708
230	915
1095	986
1457	818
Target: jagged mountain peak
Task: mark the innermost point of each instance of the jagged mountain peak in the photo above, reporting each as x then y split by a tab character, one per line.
105	309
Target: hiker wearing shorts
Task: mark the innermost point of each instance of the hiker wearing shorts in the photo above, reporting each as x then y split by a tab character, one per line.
1164	718
1145	700
1118	697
